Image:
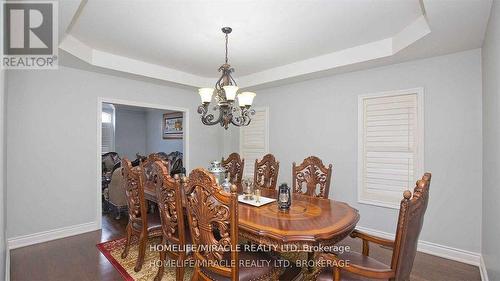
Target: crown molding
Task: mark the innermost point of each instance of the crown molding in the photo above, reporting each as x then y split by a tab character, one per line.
294	71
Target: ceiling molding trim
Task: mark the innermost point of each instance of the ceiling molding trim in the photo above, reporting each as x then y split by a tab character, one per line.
370	51
362	53
413	32
107	60
120	63
75	47
350	56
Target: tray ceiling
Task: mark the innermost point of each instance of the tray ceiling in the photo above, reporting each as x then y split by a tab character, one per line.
181	41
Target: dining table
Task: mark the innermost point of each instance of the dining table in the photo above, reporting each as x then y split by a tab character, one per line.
311	223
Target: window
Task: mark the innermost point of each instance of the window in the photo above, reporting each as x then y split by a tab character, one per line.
108	128
390	145
254	140
106	117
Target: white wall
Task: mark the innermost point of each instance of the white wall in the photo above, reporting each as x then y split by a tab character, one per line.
52	138
2	178
491	143
319	117
130	132
155	142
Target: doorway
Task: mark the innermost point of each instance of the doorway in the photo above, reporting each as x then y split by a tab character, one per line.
133	130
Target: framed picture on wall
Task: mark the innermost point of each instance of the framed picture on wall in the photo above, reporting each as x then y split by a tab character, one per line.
173	127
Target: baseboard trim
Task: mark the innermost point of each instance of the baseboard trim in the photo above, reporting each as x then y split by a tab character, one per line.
483	271
45	236
434	249
7	263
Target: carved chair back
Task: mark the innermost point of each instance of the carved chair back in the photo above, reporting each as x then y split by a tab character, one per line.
213	217
266	172
169	196
234	165
313	174
134	190
411	218
147	168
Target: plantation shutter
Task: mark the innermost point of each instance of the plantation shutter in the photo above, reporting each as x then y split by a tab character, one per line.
254	140
108	128
390	147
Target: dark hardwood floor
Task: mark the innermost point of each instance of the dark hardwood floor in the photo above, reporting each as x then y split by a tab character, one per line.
77	258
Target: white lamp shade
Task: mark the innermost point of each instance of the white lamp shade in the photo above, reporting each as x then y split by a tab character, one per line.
230	92
246	98
206	94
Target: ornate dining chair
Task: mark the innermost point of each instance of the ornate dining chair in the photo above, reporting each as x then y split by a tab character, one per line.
363	267
234	165
147	168
116	192
266	172
313	174
140	223
169	195
213	220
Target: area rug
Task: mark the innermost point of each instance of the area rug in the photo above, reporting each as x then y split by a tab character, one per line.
112	250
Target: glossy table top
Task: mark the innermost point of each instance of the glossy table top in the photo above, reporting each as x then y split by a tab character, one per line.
308	219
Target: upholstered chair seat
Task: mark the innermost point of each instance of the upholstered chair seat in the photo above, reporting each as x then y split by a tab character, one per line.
265	270
354	258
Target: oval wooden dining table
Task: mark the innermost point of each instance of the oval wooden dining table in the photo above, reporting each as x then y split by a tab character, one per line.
310	221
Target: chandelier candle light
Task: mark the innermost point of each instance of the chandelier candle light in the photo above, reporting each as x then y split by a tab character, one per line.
225	95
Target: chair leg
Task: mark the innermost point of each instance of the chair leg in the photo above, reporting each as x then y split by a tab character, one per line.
195	275
143	238
118	213
161	269
180	267
127	243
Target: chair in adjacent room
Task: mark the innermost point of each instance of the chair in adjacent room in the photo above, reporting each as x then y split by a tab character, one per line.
140	223
266	172
116	192
314	175
213	220
109	161
362	267
234	165
169	196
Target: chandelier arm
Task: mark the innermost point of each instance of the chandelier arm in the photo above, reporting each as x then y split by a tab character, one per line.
208	119
244	118
232	79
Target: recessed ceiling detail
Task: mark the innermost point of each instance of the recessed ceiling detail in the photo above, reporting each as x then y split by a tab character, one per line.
274	40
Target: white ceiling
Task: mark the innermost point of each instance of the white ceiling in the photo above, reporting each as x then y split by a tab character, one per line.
273	40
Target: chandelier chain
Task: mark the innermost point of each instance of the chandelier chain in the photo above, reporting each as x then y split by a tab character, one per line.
226	47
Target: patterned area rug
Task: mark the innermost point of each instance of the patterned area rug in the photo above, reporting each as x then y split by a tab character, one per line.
112	250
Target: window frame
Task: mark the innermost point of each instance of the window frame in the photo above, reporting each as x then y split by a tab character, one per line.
419	154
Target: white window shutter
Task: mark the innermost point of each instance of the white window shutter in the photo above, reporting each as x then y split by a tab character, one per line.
254	140
108	128
390	146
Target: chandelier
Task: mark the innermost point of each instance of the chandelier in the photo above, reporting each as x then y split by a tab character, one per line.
225	96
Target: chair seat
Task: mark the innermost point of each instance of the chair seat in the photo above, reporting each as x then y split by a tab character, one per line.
264	270
154	222
352	258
